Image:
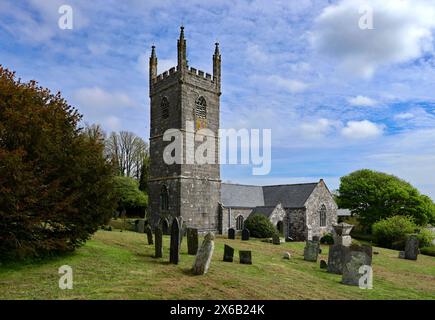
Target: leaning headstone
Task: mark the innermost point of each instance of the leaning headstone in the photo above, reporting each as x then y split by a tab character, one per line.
323	264
336	258
358	261
228	253
311	250
275	239
158	235
231	233
203	257
149	233
286	255
174	251
192	241
245	234
245	257
411	248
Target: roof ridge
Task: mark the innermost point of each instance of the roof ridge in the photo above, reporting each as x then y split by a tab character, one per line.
290	184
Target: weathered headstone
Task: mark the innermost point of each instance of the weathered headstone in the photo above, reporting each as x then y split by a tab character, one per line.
174	251
245	257
140	226
158	235
411	248
402	255
358	261
228	253
276	239
245	234
311	250
286	255
336	258
203	257
323	264
192	241
149	233
231	233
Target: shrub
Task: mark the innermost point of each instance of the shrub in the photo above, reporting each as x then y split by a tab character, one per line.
429	251
425	237
393	230
56	187
130	197
327	239
259	226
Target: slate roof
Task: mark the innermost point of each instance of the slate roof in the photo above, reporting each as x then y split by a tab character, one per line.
266	211
289	195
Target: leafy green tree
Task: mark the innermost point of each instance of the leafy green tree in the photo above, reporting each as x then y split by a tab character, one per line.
128	194
144	174
393	230
259	226
55	186
374	196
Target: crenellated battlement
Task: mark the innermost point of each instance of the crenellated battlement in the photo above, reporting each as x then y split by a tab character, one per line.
165	75
200	73
190	70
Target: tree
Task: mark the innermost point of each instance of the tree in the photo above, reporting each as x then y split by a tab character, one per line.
127	152
144	174
260	226
55	186
129	196
373	196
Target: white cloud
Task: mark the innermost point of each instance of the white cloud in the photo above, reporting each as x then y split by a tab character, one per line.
404	116
98	98
362	129
402	31
317	129
362	101
294	86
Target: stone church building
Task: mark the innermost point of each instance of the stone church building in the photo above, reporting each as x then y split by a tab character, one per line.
184	95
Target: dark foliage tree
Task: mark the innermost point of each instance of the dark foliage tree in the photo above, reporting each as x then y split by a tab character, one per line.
55	186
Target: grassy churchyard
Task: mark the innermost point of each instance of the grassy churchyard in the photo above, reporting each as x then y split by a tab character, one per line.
120	265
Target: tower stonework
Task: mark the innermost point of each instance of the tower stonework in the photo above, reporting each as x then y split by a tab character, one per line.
188	100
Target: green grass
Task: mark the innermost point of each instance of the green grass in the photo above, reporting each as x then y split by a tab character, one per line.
120	265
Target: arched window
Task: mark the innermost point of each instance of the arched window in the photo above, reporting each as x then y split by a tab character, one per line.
164	198
164	106
323	216
201	108
239	223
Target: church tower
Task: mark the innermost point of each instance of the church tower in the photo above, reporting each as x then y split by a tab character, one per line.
187	100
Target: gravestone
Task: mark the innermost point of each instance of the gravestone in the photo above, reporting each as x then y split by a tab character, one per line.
245	257
231	233
311	250
182	225
353	269
323	264
228	253
149	233
276	239
192	241
203	257
158	235
411	248
140	226
174	251
336	258
245	234
402	255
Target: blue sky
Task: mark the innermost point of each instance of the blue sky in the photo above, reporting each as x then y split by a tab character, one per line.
337	97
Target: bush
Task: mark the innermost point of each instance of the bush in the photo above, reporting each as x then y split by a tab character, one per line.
259	226
429	251
327	239
425	237
393	230
56	187
130	197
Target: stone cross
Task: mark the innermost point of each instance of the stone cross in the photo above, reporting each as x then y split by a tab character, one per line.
203	257
311	250
192	241
411	248
158	234
245	257
228	253
149	233
174	251
245	234
231	233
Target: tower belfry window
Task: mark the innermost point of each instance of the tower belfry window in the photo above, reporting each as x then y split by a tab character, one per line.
201	108
164	106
